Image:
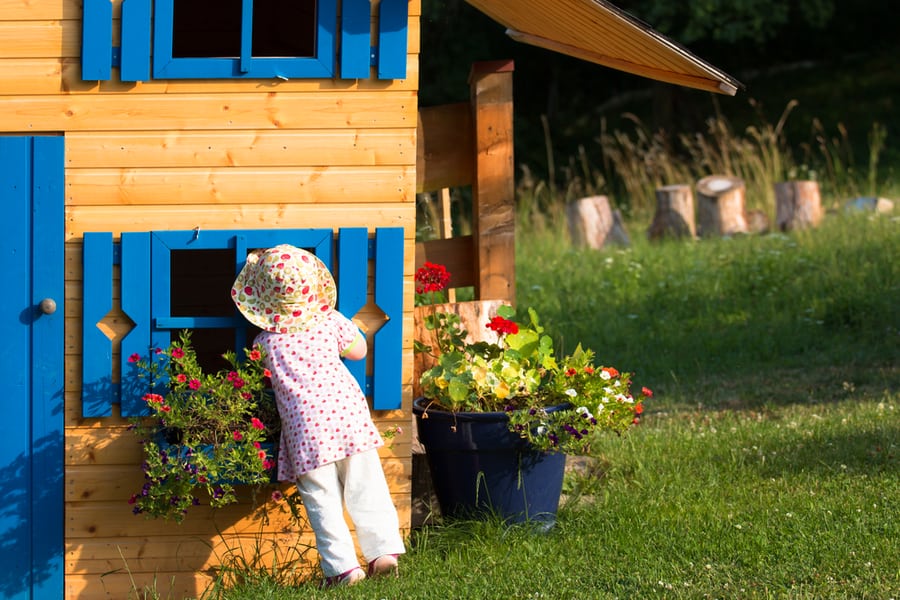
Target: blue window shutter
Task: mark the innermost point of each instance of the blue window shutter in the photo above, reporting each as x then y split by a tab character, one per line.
145	260
356	39
393	20
135	285
351	279
96	40
387	362
136	19
97	394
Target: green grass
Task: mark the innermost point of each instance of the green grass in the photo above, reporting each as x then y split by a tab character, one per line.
730	311
766	466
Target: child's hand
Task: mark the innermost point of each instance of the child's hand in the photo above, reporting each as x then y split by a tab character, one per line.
356	350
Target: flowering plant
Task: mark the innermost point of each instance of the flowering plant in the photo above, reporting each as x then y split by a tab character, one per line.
431	281
520	375
206	432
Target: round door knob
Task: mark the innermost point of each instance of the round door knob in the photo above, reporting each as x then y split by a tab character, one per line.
48	306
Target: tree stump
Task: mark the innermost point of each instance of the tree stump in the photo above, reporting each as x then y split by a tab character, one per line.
797	205
720	206
593	223
674	213
757	221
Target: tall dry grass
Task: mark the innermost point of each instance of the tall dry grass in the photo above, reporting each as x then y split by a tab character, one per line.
629	164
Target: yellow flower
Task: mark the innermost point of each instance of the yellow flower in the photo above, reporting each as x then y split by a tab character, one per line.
479	373
501	390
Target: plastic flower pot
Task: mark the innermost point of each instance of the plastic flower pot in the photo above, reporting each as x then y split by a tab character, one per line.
478	467
169	441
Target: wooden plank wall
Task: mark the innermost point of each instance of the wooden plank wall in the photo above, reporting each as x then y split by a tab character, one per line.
214	155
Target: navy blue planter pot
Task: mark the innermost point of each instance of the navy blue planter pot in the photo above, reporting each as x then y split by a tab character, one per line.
479	467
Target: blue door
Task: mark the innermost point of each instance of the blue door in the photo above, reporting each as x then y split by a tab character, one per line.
31	367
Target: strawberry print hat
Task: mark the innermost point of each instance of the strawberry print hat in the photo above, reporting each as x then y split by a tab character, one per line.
284	289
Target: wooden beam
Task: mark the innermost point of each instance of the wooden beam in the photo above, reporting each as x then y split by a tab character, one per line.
493	191
443	151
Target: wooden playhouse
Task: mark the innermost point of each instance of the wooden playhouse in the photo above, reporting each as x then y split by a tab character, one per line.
145	147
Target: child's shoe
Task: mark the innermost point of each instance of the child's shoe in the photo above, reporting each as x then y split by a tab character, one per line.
386	564
351	577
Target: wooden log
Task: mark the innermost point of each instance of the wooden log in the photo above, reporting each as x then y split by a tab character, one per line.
798	205
593	223
674	213
757	221
720	206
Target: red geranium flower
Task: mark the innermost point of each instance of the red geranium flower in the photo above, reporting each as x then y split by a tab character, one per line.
501	325
431	278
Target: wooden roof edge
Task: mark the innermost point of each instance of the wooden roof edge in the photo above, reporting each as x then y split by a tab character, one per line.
727	80
714	83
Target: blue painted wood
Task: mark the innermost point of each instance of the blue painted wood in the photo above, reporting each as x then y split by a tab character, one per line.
31	367
246	35
160	288
352	278
135	300
136	23
320	66
48	350
356	39
387	357
393	20
16	314
146	293
96	379
96	40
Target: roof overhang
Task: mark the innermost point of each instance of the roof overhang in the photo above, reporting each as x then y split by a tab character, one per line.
598	32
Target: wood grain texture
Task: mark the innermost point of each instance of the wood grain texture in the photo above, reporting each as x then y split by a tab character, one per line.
291	148
256	216
245	110
240	186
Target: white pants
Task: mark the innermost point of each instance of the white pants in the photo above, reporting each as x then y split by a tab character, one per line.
358	483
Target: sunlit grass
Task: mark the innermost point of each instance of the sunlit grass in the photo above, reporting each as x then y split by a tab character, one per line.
767	464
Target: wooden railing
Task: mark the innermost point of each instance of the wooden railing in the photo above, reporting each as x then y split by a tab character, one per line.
471	144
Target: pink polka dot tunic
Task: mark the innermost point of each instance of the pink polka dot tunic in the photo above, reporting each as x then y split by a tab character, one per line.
324	413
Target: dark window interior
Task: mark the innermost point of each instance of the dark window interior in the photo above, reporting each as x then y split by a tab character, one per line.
201	287
212	28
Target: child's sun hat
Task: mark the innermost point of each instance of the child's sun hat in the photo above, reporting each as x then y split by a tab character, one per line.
284	289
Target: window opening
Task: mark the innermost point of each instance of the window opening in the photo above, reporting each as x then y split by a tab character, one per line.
212	28
206	28
284	28
201	287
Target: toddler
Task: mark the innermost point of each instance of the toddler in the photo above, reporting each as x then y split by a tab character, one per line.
328	440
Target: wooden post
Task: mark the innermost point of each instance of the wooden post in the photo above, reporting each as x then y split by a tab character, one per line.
493	190
593	223
797	205
674	213
720	206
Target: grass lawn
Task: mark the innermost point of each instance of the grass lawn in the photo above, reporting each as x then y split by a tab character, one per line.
767	465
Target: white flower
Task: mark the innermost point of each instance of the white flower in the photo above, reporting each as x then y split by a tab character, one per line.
571	393
604	375
541	430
